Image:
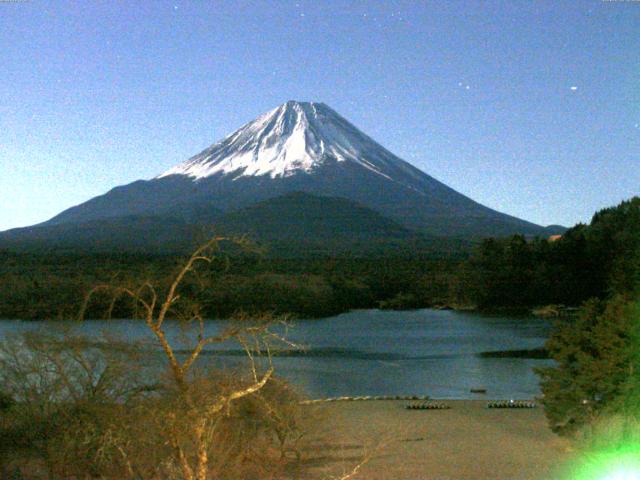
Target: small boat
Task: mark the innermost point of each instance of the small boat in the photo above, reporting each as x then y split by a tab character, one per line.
478	390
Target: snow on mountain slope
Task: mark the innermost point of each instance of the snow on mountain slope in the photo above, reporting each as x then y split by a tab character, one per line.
293	138
300	147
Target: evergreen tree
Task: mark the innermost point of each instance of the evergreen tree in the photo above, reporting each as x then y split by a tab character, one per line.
597	364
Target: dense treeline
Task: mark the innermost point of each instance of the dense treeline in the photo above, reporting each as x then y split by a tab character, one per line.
594	387
595	382
588	261
50	286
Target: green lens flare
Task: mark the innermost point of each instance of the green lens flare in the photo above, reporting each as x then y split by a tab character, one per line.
619	464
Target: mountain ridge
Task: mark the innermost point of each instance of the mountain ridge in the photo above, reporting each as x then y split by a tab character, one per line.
297	224
300	147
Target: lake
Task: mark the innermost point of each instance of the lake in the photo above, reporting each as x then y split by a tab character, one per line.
374	352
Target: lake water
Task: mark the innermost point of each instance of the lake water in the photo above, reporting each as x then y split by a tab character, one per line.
373	352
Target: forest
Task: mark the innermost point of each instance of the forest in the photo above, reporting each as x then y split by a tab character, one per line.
52	286
592	391
64	399
514	273
587	261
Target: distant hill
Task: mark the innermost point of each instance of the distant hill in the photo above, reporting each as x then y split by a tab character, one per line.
133	233
300	223
299	215
295	224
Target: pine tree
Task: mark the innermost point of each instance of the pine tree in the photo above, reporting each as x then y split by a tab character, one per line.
597	364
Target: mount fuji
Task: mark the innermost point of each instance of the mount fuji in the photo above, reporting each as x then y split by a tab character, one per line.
296	147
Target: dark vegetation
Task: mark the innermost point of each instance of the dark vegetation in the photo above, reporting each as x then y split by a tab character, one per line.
594	260
588	261
50	285
597	351
596	374
512	273
594	388
540	353
294	225
78	407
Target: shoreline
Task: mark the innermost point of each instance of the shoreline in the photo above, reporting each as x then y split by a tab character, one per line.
525	312
414	398
510	312
465	442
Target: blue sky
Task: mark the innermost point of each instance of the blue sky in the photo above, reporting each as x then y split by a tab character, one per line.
532	108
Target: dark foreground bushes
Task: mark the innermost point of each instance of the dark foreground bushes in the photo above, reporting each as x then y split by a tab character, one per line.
74	407
81	407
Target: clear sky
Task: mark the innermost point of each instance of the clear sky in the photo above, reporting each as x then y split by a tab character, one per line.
530	107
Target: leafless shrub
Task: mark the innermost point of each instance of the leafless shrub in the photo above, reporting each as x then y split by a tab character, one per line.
87	407
57	382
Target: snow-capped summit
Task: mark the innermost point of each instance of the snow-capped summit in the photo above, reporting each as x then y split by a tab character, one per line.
294	137
299	147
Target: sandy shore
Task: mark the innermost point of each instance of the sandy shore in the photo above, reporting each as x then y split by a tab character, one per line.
467	441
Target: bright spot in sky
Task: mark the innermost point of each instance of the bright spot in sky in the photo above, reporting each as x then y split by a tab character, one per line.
573	89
